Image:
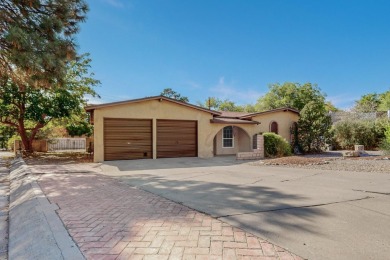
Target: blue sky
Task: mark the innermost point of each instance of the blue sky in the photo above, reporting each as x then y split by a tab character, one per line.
235	49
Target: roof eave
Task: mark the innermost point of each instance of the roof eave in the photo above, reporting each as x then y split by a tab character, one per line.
284	109
93	107
243	122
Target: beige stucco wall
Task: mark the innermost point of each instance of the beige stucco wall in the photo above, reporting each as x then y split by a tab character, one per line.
283	118
241	139
155	109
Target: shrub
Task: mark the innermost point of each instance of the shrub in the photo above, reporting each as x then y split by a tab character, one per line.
275	145
367	133
385	144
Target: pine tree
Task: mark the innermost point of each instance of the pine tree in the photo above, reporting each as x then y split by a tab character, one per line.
36	40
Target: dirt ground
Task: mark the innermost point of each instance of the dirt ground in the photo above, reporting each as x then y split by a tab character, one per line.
58	158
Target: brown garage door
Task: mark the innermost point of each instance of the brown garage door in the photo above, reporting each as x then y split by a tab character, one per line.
126	139
177	138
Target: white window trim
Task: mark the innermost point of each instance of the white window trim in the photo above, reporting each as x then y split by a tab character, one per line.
228	138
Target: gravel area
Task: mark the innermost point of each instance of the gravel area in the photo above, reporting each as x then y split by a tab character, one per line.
371	161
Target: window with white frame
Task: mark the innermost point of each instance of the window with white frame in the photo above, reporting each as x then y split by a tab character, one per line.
227	137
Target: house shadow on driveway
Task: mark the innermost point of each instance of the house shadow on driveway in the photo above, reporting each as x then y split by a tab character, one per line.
230	201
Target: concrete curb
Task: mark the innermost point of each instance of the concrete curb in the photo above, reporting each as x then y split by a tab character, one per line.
35	230
4	203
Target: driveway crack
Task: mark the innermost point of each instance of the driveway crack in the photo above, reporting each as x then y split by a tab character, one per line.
299	207
375	192
303	177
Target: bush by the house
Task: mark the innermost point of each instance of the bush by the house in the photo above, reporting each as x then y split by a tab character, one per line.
275	145
363	132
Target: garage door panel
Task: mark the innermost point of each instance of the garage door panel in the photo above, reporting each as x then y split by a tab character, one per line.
176	138
173	142
127	136
119	130
172	123
126	143
177	148
125	122
127	139
190	132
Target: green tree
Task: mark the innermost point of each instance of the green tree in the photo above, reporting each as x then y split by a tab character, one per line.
79	128
313	127
168	92
224	105
367	103
330	107
293	95
384	99
36	40
30	110
211	103
228	105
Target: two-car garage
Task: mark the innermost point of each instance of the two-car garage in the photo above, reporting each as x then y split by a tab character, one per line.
126	139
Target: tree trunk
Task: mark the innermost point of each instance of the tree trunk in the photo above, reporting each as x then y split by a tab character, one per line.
27	142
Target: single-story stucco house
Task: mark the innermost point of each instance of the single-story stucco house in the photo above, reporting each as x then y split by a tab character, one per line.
161	127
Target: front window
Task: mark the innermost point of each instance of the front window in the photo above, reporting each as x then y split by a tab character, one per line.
227	137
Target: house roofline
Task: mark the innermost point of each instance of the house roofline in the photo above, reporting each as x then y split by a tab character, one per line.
283	109
93	107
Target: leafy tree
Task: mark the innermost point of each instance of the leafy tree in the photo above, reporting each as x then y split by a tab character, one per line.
224	105
249	108
293	95
367	103
384	101
231	106
211	103
79	127
313	127
168	92
36	40
30	110
330	107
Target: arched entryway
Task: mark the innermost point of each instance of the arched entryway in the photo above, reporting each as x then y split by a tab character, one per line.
231	140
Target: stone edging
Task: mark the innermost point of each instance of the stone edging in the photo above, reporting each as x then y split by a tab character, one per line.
35	229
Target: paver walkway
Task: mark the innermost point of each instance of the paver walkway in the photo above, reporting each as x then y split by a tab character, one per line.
111	220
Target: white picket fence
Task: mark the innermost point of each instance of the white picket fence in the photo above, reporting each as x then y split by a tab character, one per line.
59	144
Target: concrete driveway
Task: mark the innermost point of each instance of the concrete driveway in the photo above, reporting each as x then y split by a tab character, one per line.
315	214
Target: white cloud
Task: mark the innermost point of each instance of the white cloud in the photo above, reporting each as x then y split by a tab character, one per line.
229	91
